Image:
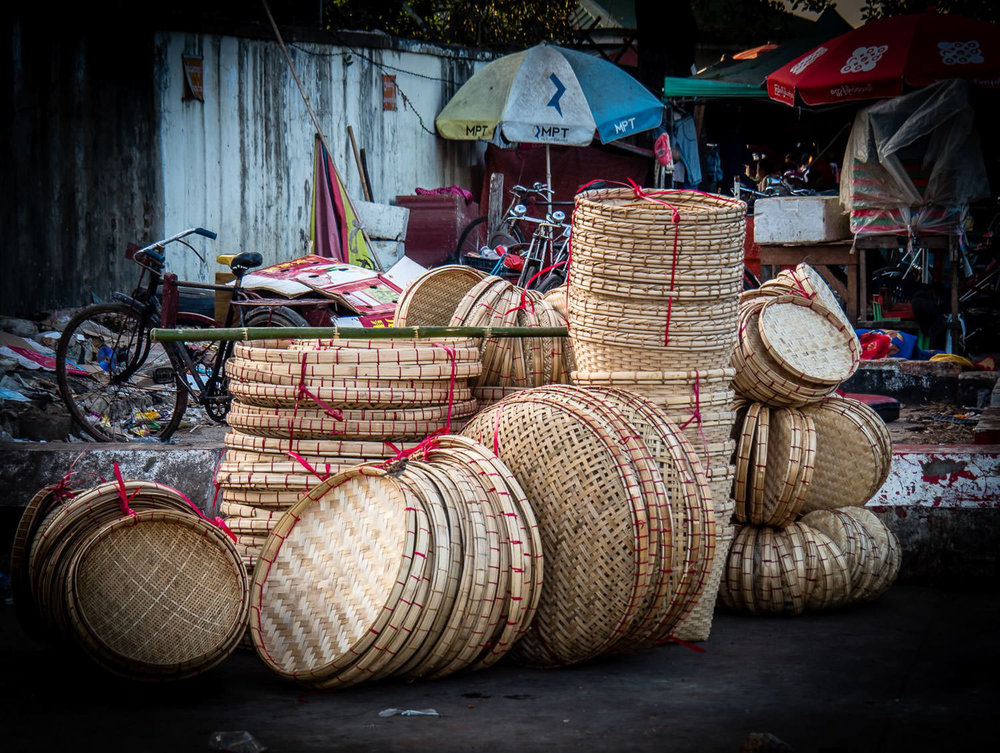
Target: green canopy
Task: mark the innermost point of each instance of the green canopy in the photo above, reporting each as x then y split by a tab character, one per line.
695	88
746	79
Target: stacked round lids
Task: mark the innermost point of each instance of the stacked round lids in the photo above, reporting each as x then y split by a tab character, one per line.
134	574
806	282
626	526
655	279
791	351
830	558
306	410
853	454
775	462
431	299
512	364
426	567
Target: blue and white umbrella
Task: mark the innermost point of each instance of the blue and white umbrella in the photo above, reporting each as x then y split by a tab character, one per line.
549	95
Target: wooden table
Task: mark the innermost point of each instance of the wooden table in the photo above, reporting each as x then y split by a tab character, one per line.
822	257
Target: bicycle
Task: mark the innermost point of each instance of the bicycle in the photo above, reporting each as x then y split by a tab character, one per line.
119	385
511	230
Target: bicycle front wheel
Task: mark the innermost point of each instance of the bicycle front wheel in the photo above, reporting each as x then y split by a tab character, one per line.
118	386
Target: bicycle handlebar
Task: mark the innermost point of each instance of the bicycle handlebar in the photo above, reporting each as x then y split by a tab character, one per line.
155	250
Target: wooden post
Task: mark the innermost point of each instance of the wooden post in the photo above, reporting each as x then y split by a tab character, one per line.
361	172
494	212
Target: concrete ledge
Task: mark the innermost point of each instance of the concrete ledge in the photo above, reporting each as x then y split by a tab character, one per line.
943	502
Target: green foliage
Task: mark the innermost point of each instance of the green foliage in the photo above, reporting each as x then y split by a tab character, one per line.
750	22
984	10
493	24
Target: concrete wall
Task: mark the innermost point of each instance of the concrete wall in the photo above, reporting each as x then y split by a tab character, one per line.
241	162
99	147
79	164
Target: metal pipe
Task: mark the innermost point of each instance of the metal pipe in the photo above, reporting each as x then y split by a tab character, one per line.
345	333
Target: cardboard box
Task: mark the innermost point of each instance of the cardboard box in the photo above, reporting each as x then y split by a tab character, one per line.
799	219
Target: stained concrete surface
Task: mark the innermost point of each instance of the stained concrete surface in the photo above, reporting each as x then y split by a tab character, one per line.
915	671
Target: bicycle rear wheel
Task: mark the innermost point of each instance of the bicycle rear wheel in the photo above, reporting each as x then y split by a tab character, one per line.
118	386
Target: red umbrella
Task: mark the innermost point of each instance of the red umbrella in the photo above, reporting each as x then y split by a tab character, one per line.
878	59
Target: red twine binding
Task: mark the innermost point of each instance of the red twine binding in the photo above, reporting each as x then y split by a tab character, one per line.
674	639
302	392
525	298
305	464
124	504
696	416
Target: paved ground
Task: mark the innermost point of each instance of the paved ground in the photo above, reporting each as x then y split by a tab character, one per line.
915	671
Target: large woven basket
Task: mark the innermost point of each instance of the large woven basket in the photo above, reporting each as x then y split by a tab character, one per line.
161	595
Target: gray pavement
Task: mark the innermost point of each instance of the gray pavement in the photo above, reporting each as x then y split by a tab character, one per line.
915	671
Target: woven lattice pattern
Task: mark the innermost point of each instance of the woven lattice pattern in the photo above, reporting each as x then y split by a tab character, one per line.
808	341
431	298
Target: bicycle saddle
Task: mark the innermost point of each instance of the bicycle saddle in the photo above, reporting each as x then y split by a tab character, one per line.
241	263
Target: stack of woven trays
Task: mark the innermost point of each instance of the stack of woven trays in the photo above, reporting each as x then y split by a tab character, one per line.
422	567
305	410
623	512
827	559
134	574
655	280
807	461
513	364
652	300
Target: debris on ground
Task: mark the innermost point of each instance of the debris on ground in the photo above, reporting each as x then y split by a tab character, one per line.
934	423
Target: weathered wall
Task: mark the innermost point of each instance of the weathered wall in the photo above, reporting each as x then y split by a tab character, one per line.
100	148
241	162
78	159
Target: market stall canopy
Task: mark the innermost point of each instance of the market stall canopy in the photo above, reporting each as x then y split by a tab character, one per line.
738	78
549	95
884	57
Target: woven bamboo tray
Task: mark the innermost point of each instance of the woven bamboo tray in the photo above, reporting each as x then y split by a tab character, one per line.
807	340
283	396
552	446
358	352
620	413
324	448
317	424
330	374
696	625
594	355
68	527
432	297
42	504
847	437
694	521
161	595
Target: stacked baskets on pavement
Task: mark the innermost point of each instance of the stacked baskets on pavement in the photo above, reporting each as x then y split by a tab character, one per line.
623	512
653	296
807	460
133	573
305	410
459	298
422	567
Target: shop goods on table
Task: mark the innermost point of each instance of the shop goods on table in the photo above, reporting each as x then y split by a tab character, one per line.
623	515
134	574
655	279
421	567
827	559
305	410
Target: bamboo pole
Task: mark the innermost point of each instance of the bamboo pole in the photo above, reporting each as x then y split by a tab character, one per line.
345	333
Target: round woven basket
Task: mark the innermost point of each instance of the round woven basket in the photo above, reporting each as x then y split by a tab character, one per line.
276	395
603	517
68	527
353	352
431	298
808	341
161	595
849	435
327	374
310	448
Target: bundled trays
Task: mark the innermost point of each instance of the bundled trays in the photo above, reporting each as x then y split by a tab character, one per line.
133	573
422	567
305	410
623	513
